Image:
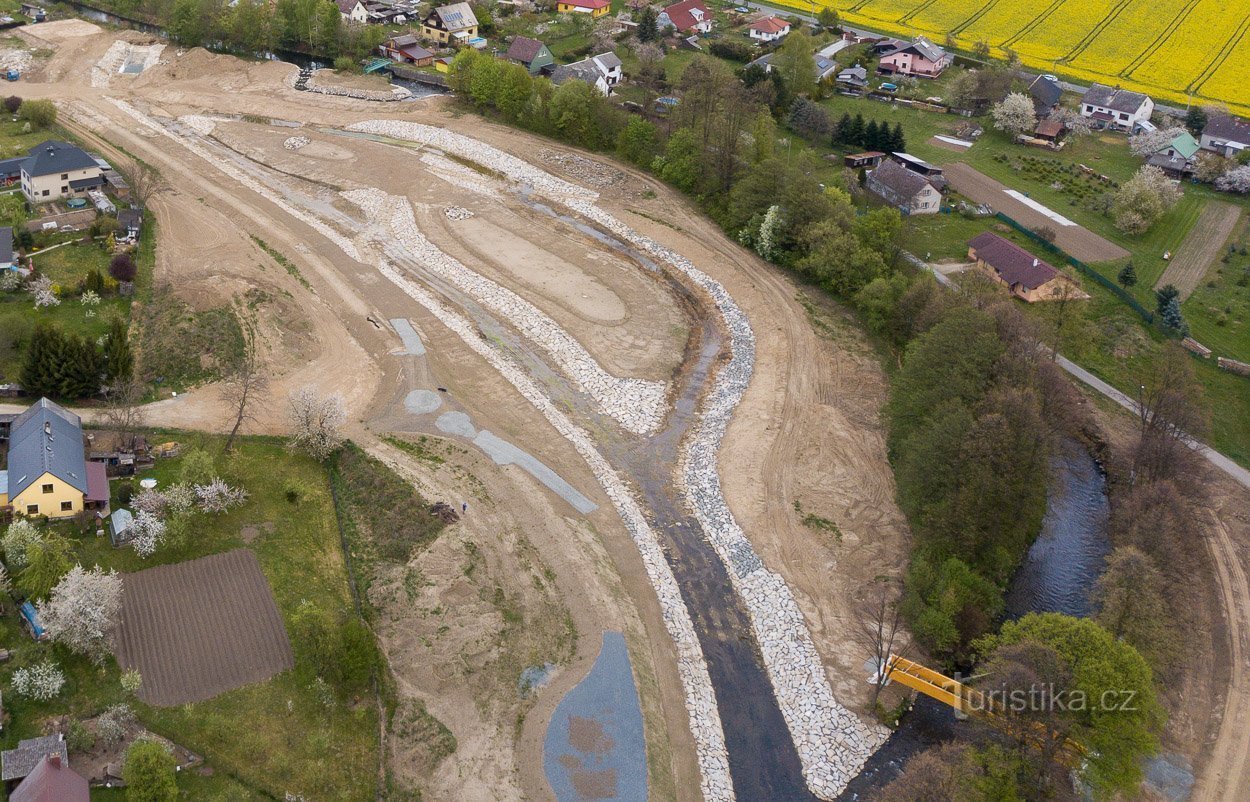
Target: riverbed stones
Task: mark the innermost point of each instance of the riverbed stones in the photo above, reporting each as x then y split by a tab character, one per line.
457	213
296	142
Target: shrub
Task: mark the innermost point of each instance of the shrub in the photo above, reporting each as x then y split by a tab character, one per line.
79	738
149	773
122	267
12	103
42	681
346	64
733	51
39	113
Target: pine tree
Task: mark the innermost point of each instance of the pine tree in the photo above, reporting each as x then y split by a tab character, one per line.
872	136
648	25
844	128
1127	276
119	362
898	142
44	355
855	132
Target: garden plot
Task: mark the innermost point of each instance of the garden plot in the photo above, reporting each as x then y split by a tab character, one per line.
200	628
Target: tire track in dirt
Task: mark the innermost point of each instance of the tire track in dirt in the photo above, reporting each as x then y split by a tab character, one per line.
1226	775
1200	248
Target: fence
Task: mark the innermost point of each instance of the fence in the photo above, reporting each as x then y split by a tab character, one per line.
1084	269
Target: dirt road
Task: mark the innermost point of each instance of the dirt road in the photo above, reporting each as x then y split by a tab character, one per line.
1073	239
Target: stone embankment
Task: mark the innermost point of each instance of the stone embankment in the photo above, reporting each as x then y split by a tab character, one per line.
637	404
306	81
832	742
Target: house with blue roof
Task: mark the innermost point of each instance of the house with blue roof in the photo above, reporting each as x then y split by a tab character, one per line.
56	170
47	471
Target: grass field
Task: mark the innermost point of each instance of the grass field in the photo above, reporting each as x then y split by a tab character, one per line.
295	740
1172	50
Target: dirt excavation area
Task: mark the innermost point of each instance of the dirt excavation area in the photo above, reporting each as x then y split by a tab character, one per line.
532	347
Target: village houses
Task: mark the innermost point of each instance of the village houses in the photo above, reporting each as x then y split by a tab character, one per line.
407	50
1023	274
595	8
769	29
531	54
450	24
55	170
918	59
1226	135
47	471
353	11
905	190
688	16
602	72
1115	108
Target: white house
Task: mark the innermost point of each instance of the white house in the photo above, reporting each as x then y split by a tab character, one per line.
909	192
1226	135
602	72
1115	108
353	11
59	170
688	16
769	29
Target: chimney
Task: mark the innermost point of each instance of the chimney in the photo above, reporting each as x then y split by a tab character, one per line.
54	760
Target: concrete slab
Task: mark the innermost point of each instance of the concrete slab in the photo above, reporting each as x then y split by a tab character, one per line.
505	453
422	402
412	341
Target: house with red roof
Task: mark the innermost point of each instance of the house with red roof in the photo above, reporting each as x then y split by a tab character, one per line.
595	8
52	780
769	29
688	16
1023	274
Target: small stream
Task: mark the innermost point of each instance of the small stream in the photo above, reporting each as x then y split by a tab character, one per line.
1057	576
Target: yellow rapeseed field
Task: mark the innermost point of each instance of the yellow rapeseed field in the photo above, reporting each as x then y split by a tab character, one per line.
1177	51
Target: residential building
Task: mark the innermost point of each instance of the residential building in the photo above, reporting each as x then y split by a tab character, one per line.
853	78
48	473
1178	158
1226	135
688	16
407	50
52	780
353	11
1022	273
130	224
595	8
1115	108
822	67
909	192
450	24
6	248
11	170
882	44
919	59
384	14
531	54
21	761
769	29
602	72
1046	94
55	170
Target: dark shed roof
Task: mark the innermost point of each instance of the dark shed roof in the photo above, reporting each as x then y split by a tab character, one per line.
52	156
17	763
1228	128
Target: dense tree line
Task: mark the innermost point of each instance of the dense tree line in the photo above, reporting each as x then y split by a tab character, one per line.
68	366
257	26
972	413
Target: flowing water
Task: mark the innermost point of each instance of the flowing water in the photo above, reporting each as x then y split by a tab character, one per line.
1057	576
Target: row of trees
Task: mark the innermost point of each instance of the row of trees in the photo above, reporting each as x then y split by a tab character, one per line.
65	365
257	26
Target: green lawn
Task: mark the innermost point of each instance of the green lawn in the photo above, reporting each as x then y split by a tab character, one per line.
275	737
68	265
18	318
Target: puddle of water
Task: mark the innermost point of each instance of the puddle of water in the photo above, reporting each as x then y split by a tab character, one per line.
594	747
533	679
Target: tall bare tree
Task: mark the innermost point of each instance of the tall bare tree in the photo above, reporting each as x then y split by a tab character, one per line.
879	625
245	385
1171	410
145	181
123	411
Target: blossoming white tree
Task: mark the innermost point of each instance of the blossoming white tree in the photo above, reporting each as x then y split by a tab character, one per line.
41	681
41	288
148	531
83	609
1014	114
20	534
217	496
315	422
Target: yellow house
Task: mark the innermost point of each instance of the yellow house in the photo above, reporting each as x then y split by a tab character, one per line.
595	8
48	473
452	24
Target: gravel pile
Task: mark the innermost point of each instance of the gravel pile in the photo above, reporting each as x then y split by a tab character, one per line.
638	405
457	213
583	169
380	95
296	142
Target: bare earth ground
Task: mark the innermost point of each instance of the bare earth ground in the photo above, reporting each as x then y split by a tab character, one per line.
200	628
807	431
1201	247
1075	240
